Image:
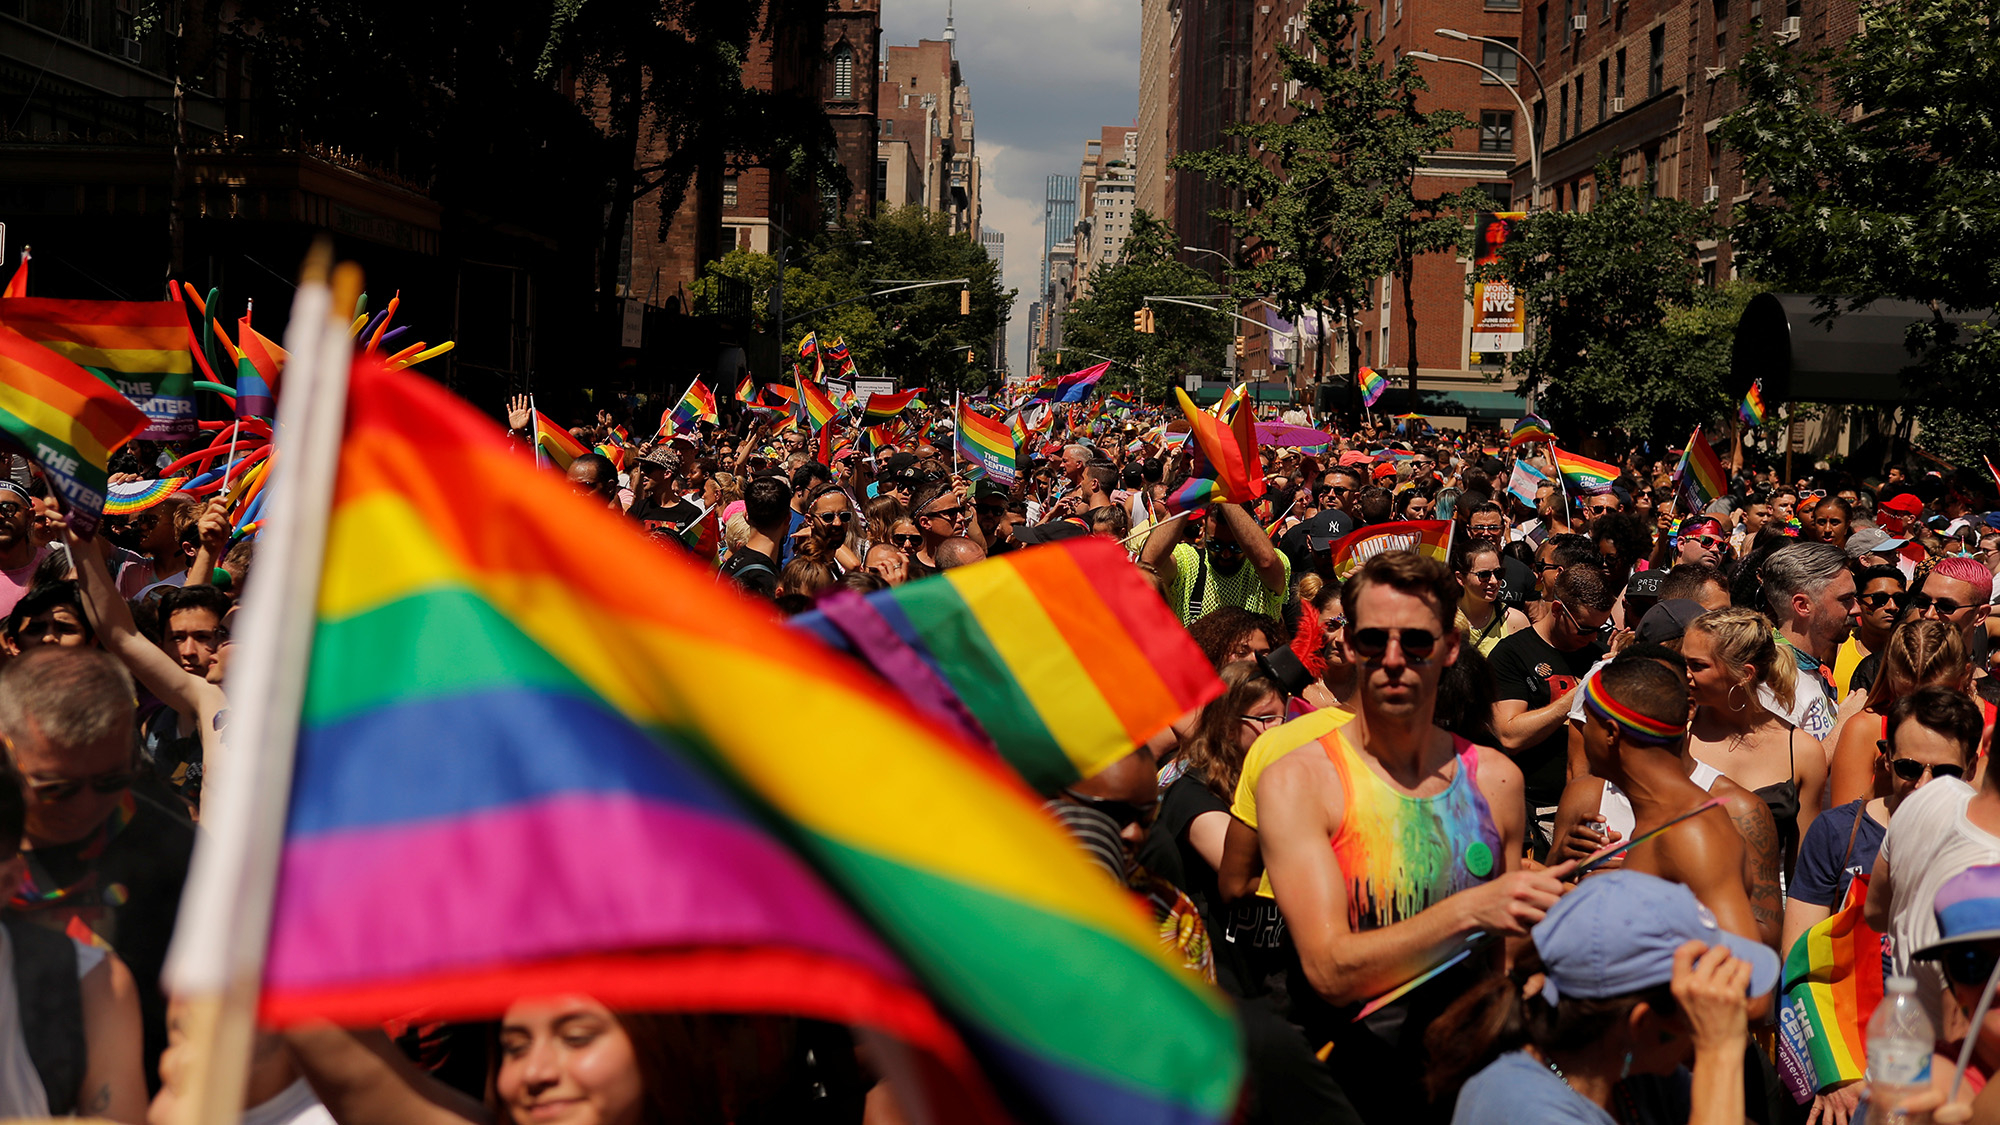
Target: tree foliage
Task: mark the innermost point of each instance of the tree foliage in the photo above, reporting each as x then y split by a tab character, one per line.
1622	334
1329	203
1185	339
1886	159
915	336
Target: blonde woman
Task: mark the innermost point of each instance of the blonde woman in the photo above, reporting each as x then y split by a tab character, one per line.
1730	655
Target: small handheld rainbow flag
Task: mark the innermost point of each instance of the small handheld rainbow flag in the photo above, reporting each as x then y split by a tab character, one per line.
1372	385
746	391
1700	476
987	444
1430	538
1752	408
559	444
1530	429
1230	448
611	452
1832	982
65	419
17	285
258	361
882	408
695	406
814	403
1582	474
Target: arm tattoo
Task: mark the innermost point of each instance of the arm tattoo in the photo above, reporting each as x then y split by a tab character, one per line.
1760	869
100	1101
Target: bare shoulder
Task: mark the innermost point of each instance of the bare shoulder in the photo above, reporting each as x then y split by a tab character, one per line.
1497	772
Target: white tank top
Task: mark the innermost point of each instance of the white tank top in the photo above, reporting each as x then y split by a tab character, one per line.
1616	808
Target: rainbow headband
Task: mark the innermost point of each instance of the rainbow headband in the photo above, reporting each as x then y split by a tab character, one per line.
1639	728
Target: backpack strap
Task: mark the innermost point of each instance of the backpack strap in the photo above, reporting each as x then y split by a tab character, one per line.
51	1002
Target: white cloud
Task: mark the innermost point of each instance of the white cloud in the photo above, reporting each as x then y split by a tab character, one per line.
1046	75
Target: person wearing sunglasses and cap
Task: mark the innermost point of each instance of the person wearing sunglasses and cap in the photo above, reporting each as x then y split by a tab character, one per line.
1637	979
1389	842
1967	910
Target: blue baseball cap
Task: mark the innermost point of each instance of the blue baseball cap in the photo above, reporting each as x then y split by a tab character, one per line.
1615	935
1968	911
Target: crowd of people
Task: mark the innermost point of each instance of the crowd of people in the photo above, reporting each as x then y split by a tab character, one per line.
1385	838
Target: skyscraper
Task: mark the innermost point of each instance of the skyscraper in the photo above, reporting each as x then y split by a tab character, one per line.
1058	219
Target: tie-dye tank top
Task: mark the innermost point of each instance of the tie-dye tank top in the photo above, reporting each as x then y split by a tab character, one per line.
1401	854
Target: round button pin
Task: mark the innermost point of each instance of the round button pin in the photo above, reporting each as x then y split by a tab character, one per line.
1479	858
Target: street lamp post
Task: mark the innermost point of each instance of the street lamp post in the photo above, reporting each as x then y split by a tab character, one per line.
1534	143
1227	261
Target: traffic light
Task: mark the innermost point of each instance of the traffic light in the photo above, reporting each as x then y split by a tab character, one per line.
968	357
965	302
1142	320
1239	349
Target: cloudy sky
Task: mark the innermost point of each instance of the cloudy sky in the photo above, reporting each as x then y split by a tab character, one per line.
1045	75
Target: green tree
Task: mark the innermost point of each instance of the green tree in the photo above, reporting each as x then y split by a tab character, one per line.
917	336
1886	162
1622	334
1185	339
1329	200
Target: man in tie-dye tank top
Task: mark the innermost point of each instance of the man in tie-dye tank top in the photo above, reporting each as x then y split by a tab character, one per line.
1395	847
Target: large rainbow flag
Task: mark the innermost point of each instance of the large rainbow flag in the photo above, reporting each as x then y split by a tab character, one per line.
1430	538
64	418
1832	982
882	408
1530	429
1700	475
988	444
537	754
1582	474
139	347
1062	654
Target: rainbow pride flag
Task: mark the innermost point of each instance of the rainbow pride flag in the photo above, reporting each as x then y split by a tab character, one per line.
64	418
560	445
515	701
813	401
1582	474
1372	385
746	391
696	405
612	452
258	361
1431	538
1751	410
1230	448
17	285
1700	475
1062	654
1832	982
1530	429
139	495
139	347
885	407
987	444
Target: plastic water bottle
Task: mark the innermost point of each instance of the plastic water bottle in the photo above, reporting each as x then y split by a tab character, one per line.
1900	1042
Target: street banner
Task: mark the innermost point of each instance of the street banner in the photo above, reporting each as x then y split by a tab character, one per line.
1499	319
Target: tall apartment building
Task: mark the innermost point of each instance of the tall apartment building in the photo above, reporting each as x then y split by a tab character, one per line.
1106	195
995	244
1159	42
926	98
1209	89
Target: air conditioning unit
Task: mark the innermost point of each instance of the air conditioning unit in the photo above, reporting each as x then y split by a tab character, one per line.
1579	23
1711	193
1788	29
128	49
1618	105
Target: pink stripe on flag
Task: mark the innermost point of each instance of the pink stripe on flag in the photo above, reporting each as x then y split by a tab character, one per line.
549	878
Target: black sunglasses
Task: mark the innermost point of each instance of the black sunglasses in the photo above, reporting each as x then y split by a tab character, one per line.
833	517
1945	606
1123	813
1969	964
1880	598
1372	644
907	538
1909	769
947	513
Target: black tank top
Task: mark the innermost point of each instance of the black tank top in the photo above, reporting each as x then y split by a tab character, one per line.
1782	798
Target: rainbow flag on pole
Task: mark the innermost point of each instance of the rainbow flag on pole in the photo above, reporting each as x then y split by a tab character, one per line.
1372	385
1530	429
813	400
729	817
1230	448
1700	475
696	405
65	419
1832	982
560	445
139	347
1752	408
1582	474
258	361
882	408
1063	655
987	444
17	285
1430	538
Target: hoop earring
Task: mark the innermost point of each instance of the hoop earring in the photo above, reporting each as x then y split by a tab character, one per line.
1732	695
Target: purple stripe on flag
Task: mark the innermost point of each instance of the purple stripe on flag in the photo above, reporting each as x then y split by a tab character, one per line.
557	876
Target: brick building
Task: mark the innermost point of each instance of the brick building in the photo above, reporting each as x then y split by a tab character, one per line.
1106	186
925	96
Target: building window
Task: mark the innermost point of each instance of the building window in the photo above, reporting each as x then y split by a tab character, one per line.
1541	122
1496	131
1503	5
1542	34
1656	76
1502	60
1621	73
843	72
729	191
1569	10
1603	89
1562	114
1653	172
829	205
881	180
1579	103
888	128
